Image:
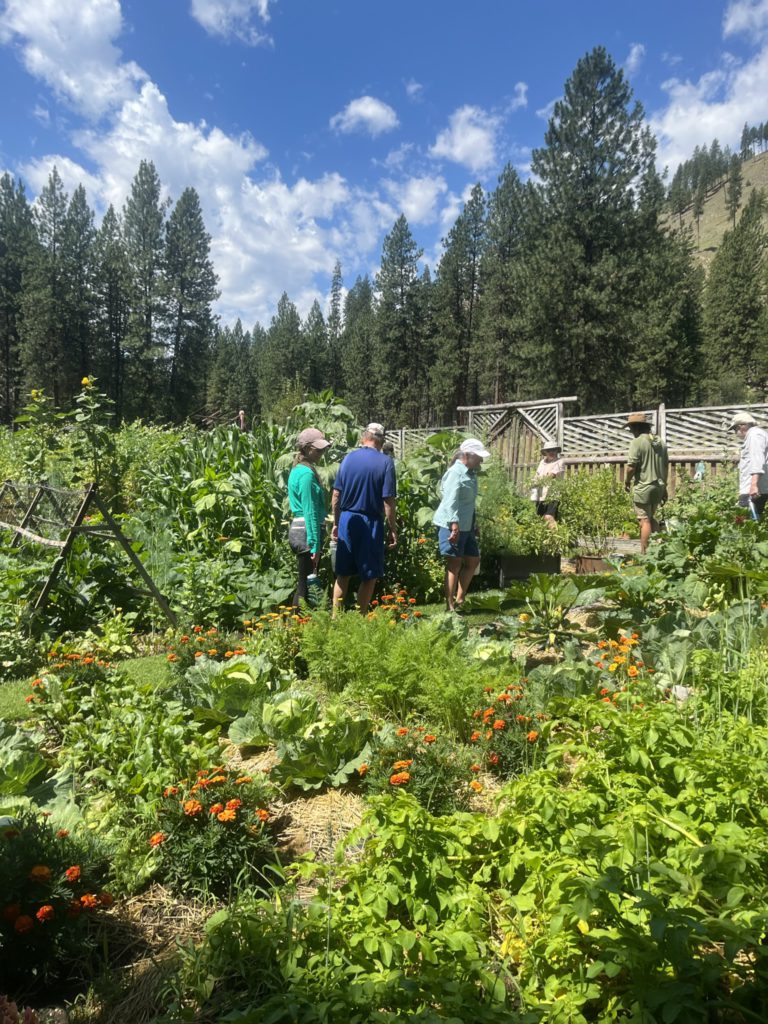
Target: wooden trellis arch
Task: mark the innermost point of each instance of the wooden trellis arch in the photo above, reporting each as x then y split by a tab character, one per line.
30	513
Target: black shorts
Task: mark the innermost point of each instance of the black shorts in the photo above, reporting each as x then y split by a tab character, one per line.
547	508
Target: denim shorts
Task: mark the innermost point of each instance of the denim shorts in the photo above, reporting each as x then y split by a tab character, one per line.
465	547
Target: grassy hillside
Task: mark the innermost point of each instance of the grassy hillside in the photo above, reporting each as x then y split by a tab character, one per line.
715	221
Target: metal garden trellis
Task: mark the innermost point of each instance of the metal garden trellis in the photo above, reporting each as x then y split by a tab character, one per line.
61	511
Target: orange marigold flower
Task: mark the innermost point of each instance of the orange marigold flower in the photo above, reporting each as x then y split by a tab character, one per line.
216	808
493	758
198	654
202	773
632	671
474	737
243	779
402	731
226	816
40	873
228	654
604	691
489	734
606	700
89	901
263	815
363	768
477	786
172	657
232	805
24	924
157	839
404	616
401	764
217	779
36	682
602	645
487	689
73	874
62	833
532	736
28	699
474	767
430	738
521	718
422	540
170	791
184	639
503	698
45	913
499	724
192	807
411	600
418	615
400	778
212	653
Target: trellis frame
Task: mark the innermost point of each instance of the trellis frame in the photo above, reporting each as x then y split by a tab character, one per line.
89	499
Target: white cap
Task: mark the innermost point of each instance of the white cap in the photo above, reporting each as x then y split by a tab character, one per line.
742	419
473	447
376	429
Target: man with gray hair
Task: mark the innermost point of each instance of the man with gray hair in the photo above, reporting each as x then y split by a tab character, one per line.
364	492
753	463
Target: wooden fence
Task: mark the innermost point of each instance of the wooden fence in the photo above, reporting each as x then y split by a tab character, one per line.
697	438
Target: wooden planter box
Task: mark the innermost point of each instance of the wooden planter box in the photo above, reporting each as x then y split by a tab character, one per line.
520	567
586	564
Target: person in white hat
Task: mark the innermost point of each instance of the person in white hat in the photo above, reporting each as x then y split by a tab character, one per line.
455	521
753	463
306	497
551	466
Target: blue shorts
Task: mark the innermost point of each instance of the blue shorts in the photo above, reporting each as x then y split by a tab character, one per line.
465	547
360	550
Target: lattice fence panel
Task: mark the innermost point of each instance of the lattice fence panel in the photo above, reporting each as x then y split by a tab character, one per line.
706	431
485	423
597	435
543	419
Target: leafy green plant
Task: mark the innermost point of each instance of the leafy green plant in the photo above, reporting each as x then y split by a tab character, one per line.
324	752
508	522
593	507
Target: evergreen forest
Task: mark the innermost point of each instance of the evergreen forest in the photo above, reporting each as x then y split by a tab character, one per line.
577	281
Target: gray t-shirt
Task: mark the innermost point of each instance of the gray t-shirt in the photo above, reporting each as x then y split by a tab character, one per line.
754	459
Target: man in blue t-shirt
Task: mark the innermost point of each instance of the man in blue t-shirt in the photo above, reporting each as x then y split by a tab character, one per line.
364	492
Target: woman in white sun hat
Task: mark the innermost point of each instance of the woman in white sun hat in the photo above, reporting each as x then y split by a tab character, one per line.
455	521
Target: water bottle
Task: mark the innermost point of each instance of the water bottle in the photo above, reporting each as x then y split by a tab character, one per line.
314	589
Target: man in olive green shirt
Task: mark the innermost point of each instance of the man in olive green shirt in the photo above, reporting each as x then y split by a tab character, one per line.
647	467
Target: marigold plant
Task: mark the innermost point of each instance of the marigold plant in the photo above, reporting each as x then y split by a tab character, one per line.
213	829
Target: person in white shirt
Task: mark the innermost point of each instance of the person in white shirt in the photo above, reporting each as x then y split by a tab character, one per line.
753	462
551	466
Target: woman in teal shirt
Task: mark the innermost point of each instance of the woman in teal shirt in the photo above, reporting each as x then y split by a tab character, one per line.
455	521
307	501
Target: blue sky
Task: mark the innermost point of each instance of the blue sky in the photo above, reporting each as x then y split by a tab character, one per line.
308	126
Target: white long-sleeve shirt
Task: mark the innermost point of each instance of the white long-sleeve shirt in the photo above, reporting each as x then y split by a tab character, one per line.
754	459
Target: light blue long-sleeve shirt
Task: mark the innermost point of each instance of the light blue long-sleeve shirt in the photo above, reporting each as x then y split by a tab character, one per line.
459	498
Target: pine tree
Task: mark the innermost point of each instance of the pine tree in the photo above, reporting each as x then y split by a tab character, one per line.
397	336
357	349
457	298
16	239
42	333
143	231
698	208
283	366
315	344
602	200
733	188
735	357
189	289
231	380
334	376
77	266
112	308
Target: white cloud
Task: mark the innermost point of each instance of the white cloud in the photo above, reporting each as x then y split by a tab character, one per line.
413	89
714	106
672	59
268	235
232	19
634	58
546	112
68	43
417	197
746	16
520	99
365	114
469	139
395	159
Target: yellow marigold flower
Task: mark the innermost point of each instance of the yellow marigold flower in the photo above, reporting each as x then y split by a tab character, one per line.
243	778
477	786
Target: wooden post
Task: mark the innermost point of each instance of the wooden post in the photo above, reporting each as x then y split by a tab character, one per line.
42	597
